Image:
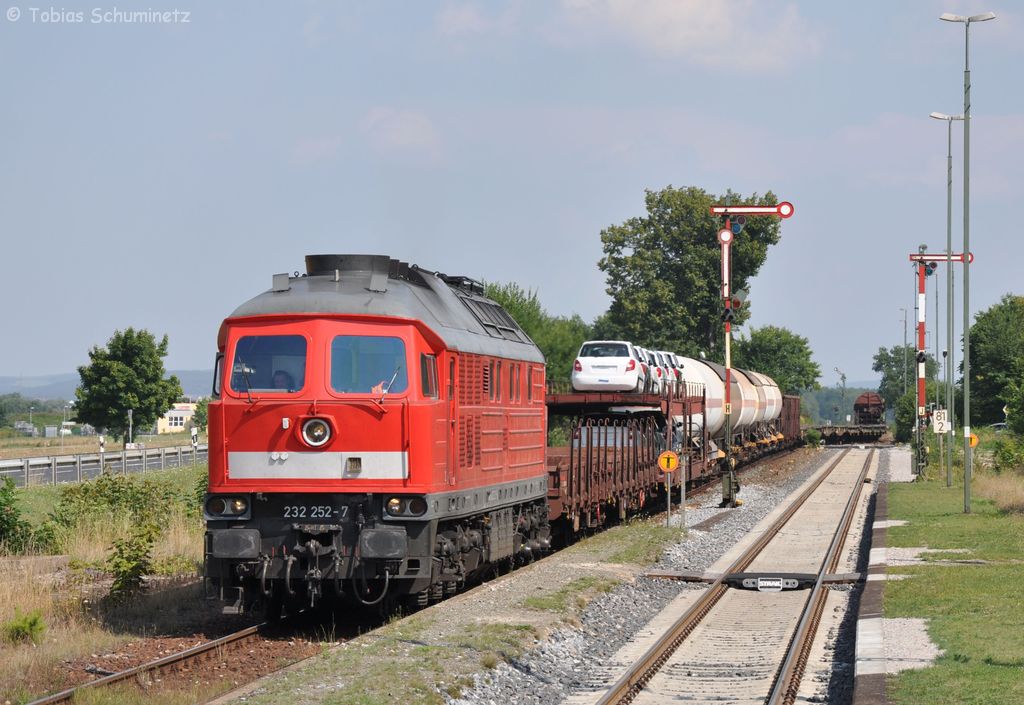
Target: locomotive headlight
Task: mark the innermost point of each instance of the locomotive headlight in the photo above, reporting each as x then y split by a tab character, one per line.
396	506
316	432
417	506
219	506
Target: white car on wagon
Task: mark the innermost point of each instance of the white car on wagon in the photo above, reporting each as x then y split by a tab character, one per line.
608	366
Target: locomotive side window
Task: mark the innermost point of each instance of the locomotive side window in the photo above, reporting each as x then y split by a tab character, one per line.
529	384
428	375
269	363
369	364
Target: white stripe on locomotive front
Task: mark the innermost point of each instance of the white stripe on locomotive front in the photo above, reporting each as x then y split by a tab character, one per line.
374	465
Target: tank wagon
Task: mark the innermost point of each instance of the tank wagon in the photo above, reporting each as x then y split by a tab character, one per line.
378	434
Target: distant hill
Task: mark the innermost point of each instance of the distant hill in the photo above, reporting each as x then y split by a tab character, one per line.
195	383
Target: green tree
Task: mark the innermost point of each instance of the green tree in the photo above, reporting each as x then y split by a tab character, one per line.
201	417
906	413
664	270
997	358
1015	408
889	361
126	374
781	354
558	337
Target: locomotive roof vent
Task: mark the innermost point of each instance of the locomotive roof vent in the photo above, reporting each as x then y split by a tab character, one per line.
379	268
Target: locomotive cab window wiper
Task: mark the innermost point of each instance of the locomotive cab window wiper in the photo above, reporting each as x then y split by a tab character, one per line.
387	388
245	376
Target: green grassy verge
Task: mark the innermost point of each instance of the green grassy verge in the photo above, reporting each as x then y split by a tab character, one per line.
571	597
975	613
37	501
639	541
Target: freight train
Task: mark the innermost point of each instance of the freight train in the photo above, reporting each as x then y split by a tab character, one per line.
378	433
868	422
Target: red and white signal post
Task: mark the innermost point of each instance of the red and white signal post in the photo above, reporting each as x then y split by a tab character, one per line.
725	237
926	264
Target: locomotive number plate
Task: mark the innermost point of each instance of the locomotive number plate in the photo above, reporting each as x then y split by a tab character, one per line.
314	511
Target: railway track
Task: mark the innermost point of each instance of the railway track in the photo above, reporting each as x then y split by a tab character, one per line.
144	673
147	673
752	646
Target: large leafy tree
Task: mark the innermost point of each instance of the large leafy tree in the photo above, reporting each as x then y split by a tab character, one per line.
781	354
997	358
664	269
126	374
889	361
558	337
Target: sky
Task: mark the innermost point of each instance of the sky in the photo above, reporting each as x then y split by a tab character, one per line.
158	174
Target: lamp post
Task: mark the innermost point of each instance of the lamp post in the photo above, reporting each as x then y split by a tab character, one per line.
948	364
968	459
842	380
904	349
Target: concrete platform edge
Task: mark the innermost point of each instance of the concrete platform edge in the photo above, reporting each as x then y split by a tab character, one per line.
869	678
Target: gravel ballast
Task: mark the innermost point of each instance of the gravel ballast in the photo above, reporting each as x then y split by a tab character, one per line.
571	658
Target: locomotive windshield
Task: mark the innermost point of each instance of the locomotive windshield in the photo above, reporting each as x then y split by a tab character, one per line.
368	364
269	363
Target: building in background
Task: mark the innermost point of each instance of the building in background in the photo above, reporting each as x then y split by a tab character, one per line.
178	418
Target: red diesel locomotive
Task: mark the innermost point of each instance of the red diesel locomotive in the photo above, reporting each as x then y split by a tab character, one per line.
377	430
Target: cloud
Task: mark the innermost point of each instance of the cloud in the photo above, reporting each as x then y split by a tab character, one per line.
740	35
459	19
310	150
401	132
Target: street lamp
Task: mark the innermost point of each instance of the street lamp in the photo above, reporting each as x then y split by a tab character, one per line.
842	379
904	350
968	459
949	283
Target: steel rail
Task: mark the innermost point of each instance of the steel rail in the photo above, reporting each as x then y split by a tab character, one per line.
235	639
787	680
636	677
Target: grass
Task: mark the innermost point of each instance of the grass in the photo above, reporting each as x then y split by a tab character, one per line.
571	597
70	600
974	612
25	446
639	542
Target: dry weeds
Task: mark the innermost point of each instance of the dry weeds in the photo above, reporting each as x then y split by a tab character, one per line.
1006	490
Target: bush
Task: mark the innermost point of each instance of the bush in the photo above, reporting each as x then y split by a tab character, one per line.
906	416
24	627
1007	454
139	498
15	532
812	436
131	558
